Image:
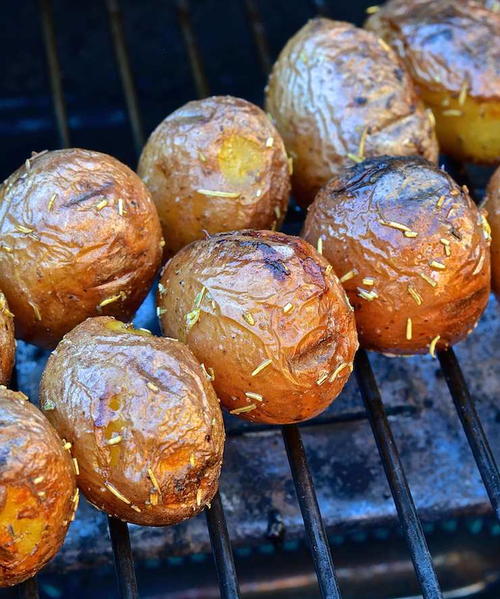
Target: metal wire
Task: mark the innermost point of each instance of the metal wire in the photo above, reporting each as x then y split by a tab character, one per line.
221	549
313	523
28	589
122	58
472	426
410	522
124	561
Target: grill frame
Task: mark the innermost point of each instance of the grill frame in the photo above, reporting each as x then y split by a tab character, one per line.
306	494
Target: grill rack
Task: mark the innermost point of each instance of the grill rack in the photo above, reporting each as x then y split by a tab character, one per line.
313	523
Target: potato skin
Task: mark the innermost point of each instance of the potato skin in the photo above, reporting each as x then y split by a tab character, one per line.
7	342
262	296
37	489
223	144
492	206
107	379
69	248
358	214
446	46
332	85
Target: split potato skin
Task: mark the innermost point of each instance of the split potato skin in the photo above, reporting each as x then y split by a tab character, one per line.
7	342
337	94
452	52
492	206
213	165
38	495
408	244
266	312
144	421
79	236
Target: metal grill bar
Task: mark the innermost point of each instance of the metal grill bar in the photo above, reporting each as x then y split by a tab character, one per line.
259	35
200	79
313	523
221	548
472	426
122	58
28	589
124	561
49	39
410	522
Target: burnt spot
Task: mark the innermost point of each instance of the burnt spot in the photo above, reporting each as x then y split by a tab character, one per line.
360	100
398	73
314	271
272	259
87	195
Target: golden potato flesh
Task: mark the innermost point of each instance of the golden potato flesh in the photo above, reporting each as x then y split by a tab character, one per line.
492	206
338	94
143	418
7	343
452	52
79	236
410	247
38	497
214	165
267	316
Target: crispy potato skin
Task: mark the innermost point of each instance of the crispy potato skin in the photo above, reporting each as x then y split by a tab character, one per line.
349	214
37	489
7	342
264	296
492	206
107	379
447	45
223	144
69	249
332	85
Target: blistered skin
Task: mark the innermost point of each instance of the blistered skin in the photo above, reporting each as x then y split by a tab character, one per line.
408	245
7	343
79	236
492	206
144	421
218	144
336	91
38	496
452	52
265	311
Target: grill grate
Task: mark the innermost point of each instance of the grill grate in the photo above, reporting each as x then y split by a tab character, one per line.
314	528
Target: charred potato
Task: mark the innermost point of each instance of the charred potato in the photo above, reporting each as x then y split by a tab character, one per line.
214	165
411	249
338	94
452	52
7	343
492	205
144	421
38	497
79	235
267	316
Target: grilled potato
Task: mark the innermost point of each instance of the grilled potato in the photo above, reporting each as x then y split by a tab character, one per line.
214	165
144	421
338	94
79	236
452	52
38	497
7	343
410	247
269	319
492	205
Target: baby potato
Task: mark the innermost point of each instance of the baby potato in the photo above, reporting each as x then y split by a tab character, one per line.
266	314
144	421
7	343
492	205
214	165
38	497
411	249
452	52
79	236
339	94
